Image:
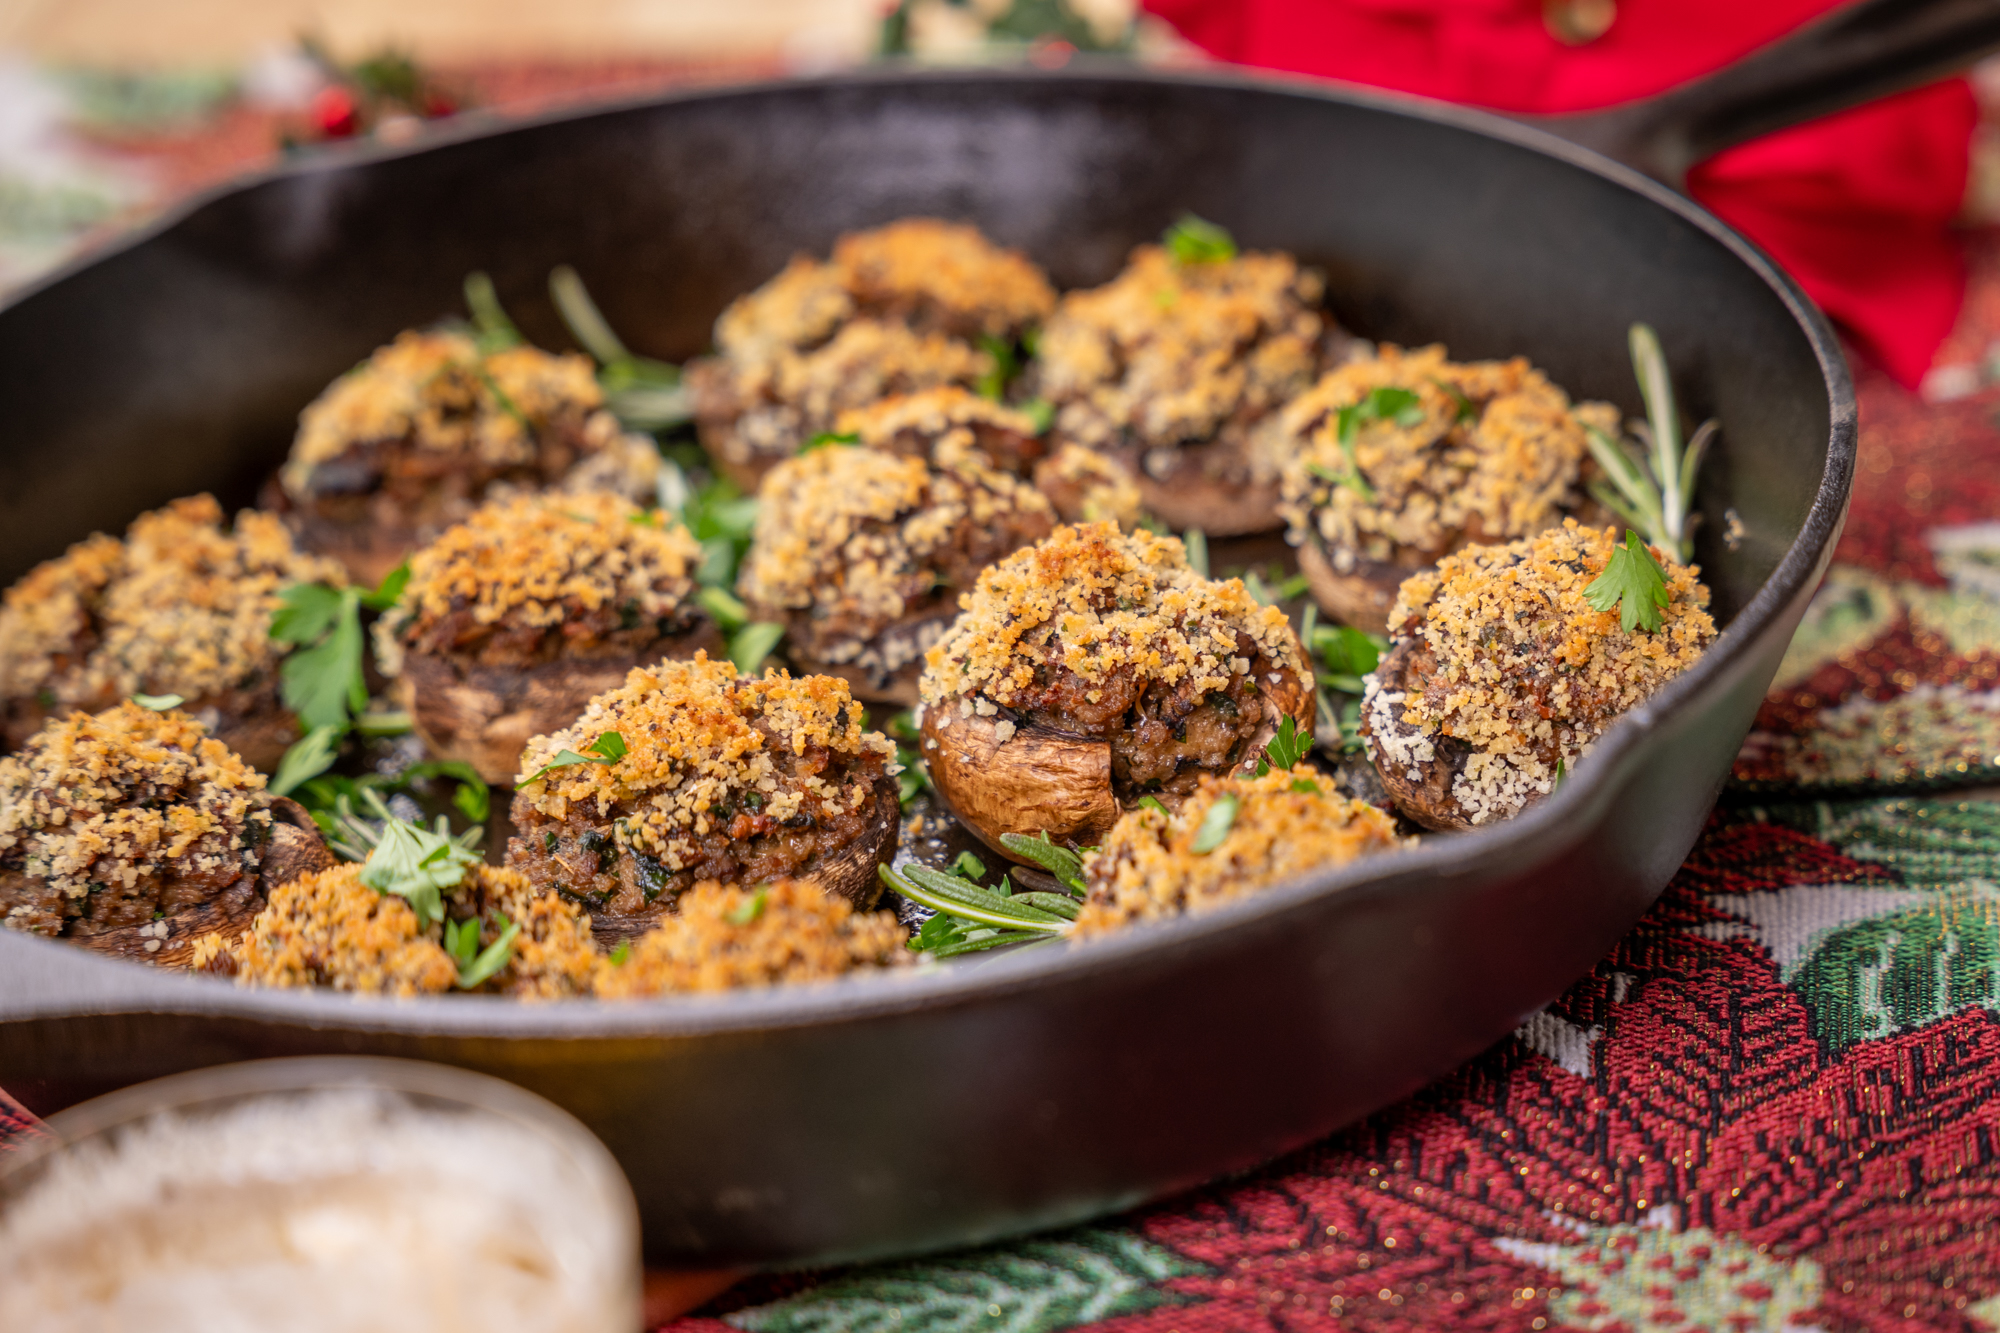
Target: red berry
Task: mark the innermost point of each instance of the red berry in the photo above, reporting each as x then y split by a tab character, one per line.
334	113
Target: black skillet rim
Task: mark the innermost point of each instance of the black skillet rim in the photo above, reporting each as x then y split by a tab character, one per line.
864	997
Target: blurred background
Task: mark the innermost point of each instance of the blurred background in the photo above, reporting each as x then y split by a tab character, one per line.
114	110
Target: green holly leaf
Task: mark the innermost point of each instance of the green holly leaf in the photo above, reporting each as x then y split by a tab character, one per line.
1633	582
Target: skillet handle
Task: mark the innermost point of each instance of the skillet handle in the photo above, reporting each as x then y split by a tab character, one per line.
1866	50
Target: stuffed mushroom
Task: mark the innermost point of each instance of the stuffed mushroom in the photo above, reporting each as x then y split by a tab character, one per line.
417	436
862	555
1084	486
1394	460
1234	836
689	772
727	938
914	305
515	619
182	606
1502	669
135	833
333	929
1171	367
1094	670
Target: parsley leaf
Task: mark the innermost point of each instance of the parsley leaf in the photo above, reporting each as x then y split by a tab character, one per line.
1215	825
1286	747
492	958
1633	582
1153	803
305	612
159	703
608	748
827	438
323	684
1042	412
1348	654
748	910
1006	362
1194	240
724	607
418	865
621	953
306	758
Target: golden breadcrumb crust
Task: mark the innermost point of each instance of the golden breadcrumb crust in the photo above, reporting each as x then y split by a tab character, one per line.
331	929
856	537
725	938
124	798
1083	484
1287	823
1098	601
1520	666
182	606
1494	451
1171	353
694	744
436	390
538	562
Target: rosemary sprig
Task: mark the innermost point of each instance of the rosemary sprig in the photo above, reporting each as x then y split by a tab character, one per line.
1650	482
643	393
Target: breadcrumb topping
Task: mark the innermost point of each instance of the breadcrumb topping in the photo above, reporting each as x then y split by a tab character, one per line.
1168	354
1287	822
436	391
534	566
122	800
725	938
1516	664
331	929
1493	451
699	739
1082	484
1097	602
896	310
851	540
182	606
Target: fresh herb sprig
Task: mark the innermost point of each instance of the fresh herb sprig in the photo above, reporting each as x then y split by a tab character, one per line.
322	678
1650	482
1633	583
971	918
471	797
461	941
914	778
645	394
416	864
1194	240
1346	655
608	748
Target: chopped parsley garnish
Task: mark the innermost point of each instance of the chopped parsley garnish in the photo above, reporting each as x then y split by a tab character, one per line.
1040	411
418	865
829	439
1215	825
1006	363
1286	747
621	953
1632	581
321	678
461	941
1153	803
158	703
1194	240
1347	653
749	909
608	748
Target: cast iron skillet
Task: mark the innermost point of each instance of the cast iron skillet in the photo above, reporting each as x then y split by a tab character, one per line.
884	1115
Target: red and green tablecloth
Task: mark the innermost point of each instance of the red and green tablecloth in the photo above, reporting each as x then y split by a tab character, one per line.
1775	1105
1772	1106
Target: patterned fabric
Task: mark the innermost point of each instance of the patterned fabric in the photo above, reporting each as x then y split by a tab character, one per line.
1772	1107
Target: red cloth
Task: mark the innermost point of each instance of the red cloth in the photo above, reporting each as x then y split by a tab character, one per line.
1857	206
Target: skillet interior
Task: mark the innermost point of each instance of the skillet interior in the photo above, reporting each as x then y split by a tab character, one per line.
879	1116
